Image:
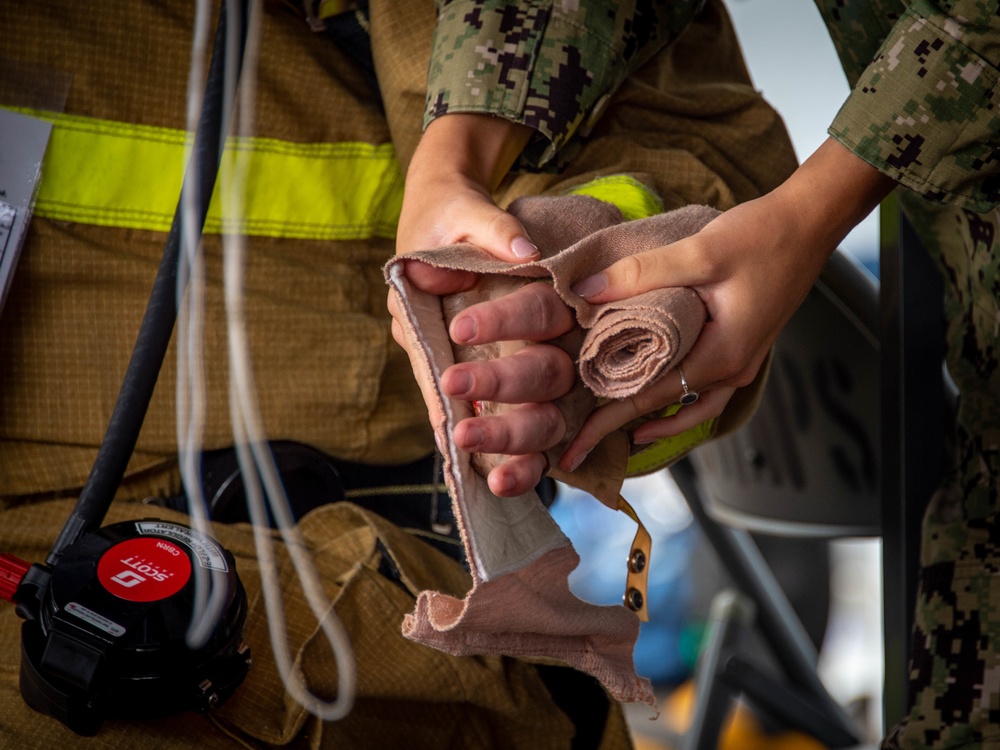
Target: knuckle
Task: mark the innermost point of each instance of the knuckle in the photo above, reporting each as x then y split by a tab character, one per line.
538	307
705	266
486	382
703	263
526	471
503	226
653	398
557	373
750	372
551	425
498	435
645	403
629	271
733	364
545	307
743	378
633	406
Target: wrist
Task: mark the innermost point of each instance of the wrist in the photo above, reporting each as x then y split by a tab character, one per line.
835	189
476	148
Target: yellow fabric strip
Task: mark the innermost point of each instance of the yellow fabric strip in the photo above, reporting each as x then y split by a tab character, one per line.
666	451
634	199
116	174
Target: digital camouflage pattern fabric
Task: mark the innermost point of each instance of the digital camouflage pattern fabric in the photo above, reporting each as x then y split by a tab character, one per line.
955	655
924	77
548	65
923	110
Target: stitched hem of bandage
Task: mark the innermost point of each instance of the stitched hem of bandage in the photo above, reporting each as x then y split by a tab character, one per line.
633	198
667	450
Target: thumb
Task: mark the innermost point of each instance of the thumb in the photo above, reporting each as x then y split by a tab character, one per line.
660	267
502	235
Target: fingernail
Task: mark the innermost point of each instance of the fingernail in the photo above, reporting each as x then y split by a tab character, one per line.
506	483
459	383
578	460
590	286
644	440
463	330
522	247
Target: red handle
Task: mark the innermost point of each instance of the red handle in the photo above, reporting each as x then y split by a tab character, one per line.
12	570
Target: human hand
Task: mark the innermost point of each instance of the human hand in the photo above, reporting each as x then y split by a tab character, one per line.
752	267
448	199
459	161
517	388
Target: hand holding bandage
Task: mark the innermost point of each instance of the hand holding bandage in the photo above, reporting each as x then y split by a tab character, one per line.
627	345
520	603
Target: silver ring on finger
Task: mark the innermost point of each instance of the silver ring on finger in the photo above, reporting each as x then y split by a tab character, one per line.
689	396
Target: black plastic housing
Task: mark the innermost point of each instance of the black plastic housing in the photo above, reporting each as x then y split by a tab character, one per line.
106	637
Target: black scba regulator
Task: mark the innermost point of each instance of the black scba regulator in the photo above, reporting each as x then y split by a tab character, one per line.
107	614
105	630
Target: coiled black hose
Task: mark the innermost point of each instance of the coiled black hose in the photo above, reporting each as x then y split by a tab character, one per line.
161	311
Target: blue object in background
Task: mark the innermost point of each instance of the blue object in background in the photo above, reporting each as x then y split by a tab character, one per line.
602	537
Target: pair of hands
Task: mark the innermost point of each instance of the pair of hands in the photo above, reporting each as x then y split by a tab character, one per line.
752	267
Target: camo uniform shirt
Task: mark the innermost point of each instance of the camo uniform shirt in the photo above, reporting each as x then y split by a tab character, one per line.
548	65
921	110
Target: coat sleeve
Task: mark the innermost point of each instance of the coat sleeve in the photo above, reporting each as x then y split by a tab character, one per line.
923	111
551	65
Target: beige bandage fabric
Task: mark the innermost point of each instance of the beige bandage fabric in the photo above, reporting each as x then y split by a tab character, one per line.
520	603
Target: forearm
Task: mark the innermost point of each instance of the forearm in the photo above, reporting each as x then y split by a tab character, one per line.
826	197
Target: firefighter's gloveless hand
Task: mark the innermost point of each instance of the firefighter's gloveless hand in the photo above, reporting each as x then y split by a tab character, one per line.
448	199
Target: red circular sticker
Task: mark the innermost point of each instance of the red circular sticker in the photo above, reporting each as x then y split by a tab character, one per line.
146	569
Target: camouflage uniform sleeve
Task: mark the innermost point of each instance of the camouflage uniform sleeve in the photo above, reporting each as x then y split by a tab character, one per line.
551	65
923	112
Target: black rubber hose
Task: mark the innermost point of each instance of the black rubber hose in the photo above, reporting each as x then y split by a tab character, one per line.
161	311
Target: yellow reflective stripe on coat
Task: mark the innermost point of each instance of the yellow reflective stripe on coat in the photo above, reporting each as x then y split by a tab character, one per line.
122	175
633	198
667	450
638	201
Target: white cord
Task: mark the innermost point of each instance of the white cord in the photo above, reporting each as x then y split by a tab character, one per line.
260	475
208	601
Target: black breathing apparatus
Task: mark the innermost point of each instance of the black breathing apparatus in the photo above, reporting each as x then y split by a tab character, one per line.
107	615
105	627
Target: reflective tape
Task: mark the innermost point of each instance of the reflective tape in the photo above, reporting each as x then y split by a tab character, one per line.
634	199
123	175
667	450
